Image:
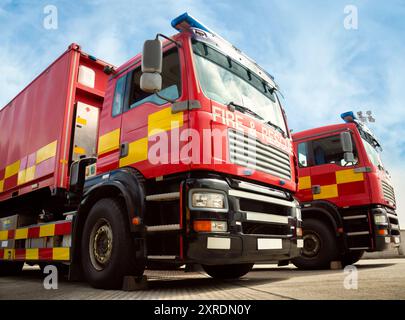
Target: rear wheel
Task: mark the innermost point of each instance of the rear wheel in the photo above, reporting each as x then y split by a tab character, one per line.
352	257
108	252
228	271
10	268
320	247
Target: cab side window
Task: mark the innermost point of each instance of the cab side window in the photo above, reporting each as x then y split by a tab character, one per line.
303	155
329	150
171	82
119	96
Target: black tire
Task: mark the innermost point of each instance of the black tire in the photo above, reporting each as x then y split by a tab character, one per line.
108	251
320	246
10	268
228	271
351	257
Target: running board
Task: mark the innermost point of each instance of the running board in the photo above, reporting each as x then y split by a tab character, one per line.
163	196
359	248
163	228
358	233
161	257
355	217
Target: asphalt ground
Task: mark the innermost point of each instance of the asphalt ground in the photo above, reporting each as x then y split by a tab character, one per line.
376	279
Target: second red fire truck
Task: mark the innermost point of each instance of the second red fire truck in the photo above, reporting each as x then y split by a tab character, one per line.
348	202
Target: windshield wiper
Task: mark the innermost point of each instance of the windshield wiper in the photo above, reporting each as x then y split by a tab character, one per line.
243	109
278	128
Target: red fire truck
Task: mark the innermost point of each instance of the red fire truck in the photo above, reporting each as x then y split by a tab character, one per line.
348	202
180	156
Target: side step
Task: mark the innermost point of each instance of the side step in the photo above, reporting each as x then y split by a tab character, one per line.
163	228
163	196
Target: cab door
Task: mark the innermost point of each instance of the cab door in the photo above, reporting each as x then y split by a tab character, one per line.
304	192
150	128
331	178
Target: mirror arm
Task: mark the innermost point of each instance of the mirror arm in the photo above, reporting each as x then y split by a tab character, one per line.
164	98
178	44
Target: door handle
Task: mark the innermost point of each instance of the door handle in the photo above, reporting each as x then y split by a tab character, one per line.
316	189
124	148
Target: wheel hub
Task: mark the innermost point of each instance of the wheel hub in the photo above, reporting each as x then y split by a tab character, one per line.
100	248
312	245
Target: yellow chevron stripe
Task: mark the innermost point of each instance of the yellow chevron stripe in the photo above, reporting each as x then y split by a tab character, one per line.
61	254
46	152
304	183
164	120
109	141
21	233
3	235
349	175
47	230
12	169
32	254
138	151
329	191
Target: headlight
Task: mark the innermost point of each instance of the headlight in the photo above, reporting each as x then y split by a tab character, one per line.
207	200
380	219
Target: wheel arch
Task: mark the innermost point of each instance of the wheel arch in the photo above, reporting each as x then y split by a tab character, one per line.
125	184
325	212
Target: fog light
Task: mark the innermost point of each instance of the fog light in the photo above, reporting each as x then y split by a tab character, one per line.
380	219
209	200
210	226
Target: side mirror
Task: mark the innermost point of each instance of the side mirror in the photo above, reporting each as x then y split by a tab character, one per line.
346	140
152	56
347	146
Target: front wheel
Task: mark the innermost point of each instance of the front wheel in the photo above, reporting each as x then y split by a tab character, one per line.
320	246
228	271
108	252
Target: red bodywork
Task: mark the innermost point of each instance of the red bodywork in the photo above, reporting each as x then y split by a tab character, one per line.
36	126
340	185
44	113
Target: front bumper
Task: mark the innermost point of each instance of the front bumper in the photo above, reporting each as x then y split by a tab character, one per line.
392	238
261	226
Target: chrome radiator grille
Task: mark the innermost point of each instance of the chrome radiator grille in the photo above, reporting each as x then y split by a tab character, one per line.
249	152
388	192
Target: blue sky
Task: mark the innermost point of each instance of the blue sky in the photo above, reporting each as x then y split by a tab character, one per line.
322	68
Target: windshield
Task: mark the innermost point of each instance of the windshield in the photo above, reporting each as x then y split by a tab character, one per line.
226	81
372	154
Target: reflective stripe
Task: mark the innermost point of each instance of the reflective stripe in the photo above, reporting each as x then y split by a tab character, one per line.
47	230
137	151
304	183
12	169
349	175
329	191
109	142
46	152
164	120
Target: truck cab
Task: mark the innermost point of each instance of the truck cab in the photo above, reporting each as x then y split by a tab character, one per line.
348	202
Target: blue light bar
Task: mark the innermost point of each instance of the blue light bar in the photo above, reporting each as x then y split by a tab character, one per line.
186	21
347	115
